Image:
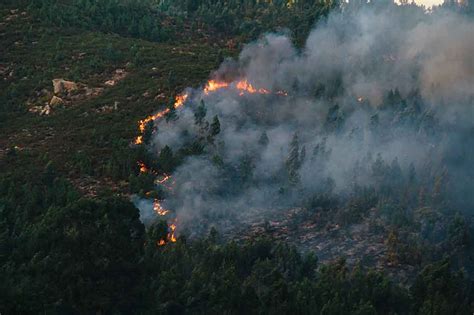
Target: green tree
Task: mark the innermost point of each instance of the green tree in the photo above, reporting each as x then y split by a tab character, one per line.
166	160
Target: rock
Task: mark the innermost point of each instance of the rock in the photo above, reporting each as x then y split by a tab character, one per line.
110	83
160	96
46	110
146	94
55	101
62	86
35	109
116	104
119	75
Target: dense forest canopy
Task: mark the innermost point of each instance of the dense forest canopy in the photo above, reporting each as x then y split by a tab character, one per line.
322	124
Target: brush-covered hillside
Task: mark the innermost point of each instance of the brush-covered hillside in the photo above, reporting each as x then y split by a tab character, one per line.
236	157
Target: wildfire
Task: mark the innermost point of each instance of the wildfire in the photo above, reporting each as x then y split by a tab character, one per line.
143	168
170	237
245	87
139	140
164	179
179	101
171	234
242	86
213	85
158	208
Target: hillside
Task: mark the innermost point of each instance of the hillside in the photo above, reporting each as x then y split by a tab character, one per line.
238	157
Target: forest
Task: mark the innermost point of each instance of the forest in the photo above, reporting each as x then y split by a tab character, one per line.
236	157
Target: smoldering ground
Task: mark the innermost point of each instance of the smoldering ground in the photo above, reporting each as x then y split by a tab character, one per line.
372	86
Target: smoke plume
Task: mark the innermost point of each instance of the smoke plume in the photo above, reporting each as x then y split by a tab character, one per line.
371	84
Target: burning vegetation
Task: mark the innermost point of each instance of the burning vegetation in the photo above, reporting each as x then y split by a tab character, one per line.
351	150
330	176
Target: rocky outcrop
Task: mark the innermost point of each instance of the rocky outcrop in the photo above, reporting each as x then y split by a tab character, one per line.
119	75
67	92
62	86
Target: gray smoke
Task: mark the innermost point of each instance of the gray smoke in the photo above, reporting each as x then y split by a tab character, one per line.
336	85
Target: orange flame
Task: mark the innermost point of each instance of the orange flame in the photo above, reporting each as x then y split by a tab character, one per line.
179	101
171	236
164	180
214	85
139	140
158	208
245	86
143	168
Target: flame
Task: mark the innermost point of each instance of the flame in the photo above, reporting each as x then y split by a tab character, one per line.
213	85
245	86
139	140
143	168
171	234
158	208
179	101
164	180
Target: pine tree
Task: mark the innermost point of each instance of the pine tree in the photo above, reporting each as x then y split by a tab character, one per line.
263	140
147	134
215	126
171	114
200	114
166	160
293	160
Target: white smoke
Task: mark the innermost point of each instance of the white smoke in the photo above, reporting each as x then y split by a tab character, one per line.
351	60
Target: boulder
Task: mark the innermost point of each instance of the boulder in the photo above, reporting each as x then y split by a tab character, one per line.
55	101
62	86
110	83
46	110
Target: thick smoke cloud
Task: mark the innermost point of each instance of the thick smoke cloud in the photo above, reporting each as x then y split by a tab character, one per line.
337	87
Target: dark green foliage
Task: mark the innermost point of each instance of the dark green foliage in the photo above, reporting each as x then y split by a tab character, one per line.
128	18
65	254
200	114
148	132
141	183
62	251
438	290
215	127
250	18
166	161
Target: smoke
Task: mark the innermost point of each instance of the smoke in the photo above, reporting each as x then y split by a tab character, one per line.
395	84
